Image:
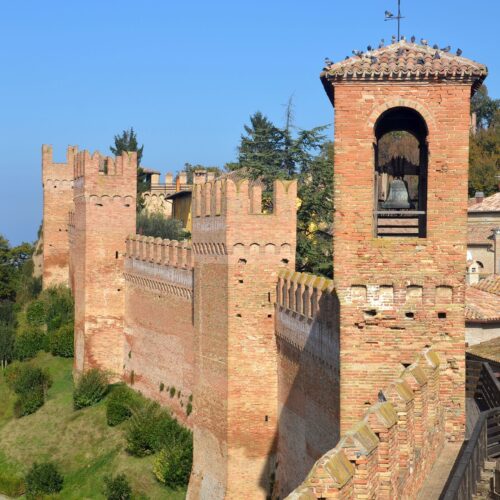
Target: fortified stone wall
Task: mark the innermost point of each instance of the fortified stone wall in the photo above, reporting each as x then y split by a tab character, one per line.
307	334
57	181
159	332
238	252
399	295
105	190
389	453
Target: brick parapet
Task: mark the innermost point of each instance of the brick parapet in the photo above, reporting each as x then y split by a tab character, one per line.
376	458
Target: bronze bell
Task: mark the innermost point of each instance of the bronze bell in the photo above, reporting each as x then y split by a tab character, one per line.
398	196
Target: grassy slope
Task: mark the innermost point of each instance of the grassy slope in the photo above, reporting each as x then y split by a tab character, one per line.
79	441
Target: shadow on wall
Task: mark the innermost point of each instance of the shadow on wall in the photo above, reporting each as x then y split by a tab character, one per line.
307	336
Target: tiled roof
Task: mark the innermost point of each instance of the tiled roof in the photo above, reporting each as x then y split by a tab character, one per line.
479	235
482	301
404	60
149	170
490	284
488	350
489	204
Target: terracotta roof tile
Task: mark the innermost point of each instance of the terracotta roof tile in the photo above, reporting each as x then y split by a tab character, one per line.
479	235
488	350
489	204
482	300
404	60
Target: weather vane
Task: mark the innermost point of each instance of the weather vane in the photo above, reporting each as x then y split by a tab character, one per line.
389	16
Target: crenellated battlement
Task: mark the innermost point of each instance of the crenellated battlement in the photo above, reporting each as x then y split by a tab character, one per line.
390	451
160	251
301	293
55	173
100	175
227	195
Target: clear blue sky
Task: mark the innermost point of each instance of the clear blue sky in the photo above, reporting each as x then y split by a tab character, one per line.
185	75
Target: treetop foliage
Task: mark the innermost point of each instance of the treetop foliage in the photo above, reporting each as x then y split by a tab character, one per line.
127	141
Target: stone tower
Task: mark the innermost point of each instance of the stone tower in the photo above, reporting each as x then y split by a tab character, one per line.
105	193
57	180
402	120
238	253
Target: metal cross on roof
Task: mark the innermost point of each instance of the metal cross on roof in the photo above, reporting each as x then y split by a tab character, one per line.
389	16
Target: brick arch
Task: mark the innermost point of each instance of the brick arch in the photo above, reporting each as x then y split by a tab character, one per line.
406	103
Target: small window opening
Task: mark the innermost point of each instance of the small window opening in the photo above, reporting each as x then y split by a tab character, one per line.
400	191
370	312
242	261
238	315
410	315
240	281
269	296
116	254
441	315
285	261
269	315
266	418
99	204
406	365
118	289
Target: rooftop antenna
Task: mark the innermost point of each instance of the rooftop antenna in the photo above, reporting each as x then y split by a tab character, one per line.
389	16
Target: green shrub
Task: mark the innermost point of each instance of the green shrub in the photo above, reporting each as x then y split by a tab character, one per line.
35	313
162	386
61	342
27	344
90	389
7	342
59	307
120	403
117	488
43	479
172	392
22	378
29	402
189	408
172	466
152	428
157	225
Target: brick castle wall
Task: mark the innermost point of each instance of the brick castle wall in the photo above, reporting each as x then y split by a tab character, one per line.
57	181
238	251
308	375
159	332
104	194
390	451
379	281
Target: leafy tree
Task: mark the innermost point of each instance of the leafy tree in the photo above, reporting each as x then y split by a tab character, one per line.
485	107
157	225
11	262
43	479
117	487
127	141
7	338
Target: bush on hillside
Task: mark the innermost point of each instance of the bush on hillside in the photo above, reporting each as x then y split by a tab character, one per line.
59	307
29	402
61	342
7	342
35	313
120	404
173	464
28	343
157	225
90	389
117	487
152	428
43	479
11	483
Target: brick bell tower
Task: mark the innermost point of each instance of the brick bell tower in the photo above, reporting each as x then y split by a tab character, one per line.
402	120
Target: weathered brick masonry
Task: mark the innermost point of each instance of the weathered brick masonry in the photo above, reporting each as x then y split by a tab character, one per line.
159	332
104	193
57	180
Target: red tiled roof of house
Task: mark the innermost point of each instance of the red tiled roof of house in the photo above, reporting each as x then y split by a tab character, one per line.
489	204
479	235
482	300
404	60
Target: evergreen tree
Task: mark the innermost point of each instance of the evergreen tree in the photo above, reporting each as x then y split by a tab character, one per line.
127	141
485	107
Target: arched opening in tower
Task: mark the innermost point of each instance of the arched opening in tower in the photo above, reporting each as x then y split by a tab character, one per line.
400	177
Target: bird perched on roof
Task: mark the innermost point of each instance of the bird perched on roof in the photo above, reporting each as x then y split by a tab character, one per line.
403	38
437	56
357	52
369	48
412	39
393	39
400	52
423	41
328	61
435	46
381	44
446	49
346	57
388	14
373	60
459	52
420	60
381	397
